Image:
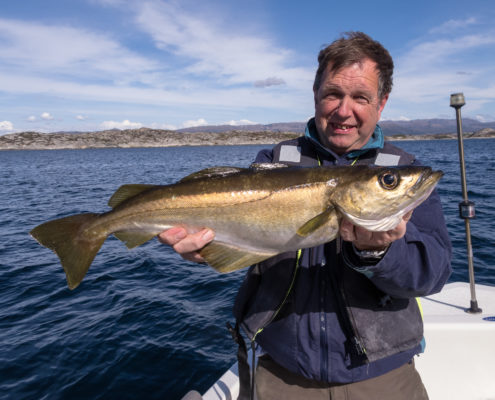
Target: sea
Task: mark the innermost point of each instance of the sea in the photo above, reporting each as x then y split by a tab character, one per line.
145	324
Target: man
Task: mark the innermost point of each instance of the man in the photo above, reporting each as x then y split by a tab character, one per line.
340	320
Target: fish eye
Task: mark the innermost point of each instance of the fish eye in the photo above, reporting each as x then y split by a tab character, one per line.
389	180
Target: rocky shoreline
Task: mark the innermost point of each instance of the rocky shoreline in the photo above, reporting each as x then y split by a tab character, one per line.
145	137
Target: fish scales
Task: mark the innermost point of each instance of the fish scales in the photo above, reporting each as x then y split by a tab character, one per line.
255	213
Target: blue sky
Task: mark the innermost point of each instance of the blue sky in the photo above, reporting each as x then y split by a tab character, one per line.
98	64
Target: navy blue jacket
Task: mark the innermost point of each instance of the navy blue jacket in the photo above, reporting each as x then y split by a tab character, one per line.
308	335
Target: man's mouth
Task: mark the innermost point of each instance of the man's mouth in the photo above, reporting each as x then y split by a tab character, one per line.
342	127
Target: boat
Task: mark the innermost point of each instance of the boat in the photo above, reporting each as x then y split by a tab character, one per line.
460	351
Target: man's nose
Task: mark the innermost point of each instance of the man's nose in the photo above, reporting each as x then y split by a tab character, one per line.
345	107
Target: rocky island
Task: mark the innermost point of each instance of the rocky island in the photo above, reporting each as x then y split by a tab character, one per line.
145	137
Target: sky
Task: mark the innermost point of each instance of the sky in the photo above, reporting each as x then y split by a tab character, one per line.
84	65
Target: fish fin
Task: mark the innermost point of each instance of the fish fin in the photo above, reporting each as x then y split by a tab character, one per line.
265	166
317	222
125	192
227	258
212	172
134	238
76	253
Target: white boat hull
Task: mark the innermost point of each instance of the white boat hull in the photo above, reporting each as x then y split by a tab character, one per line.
459	359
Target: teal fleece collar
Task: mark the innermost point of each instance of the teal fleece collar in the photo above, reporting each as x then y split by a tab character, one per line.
376	141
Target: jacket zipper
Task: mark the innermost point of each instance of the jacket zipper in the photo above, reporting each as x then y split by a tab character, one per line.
355	339
298	258
324	361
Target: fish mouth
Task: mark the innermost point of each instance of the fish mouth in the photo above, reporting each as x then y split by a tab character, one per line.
428	180
428	177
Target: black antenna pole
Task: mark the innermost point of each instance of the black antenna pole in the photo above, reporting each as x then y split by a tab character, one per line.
466	207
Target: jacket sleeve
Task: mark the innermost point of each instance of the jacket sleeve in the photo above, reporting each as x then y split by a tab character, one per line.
418	264
264	156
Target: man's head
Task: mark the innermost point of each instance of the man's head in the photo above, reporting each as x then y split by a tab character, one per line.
354	48
351	88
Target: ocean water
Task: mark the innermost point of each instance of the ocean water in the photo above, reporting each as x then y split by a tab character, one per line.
144	323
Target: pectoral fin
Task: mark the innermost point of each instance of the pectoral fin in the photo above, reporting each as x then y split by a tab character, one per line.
317	222
227	258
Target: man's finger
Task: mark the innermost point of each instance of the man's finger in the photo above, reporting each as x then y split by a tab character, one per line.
362	234
194	242
172	236
408	216
347	231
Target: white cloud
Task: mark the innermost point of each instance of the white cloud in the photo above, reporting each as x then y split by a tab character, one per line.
193	123
168	127
46	116
393	118
80	117
125	124
201	63
200	96
453	25
431	70
241	122
214	51
31	118
442	51
485	118
6	126
75	52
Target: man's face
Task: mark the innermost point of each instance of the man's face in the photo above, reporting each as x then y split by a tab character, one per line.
347	106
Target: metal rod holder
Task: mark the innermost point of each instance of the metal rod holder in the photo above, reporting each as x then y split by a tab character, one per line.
466	207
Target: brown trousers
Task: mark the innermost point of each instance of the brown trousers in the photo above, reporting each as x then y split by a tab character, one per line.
274	382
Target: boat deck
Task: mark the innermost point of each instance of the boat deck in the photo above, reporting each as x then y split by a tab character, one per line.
458	362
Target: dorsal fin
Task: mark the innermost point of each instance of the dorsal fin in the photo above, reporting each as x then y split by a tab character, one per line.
212	172
126	192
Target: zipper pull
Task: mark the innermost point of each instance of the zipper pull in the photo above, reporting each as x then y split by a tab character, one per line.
360	350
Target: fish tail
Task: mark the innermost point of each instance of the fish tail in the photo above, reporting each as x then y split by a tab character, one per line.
75	249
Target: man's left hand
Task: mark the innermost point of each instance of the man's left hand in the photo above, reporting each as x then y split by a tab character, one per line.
367	240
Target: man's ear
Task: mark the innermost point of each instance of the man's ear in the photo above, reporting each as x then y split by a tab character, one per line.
381	105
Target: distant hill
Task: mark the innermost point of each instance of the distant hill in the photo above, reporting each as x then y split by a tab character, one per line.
432	126
228	135
276	127
143	137
412	127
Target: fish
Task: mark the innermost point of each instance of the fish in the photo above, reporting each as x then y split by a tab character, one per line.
256	212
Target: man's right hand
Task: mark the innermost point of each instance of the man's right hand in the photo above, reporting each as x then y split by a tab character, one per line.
187	244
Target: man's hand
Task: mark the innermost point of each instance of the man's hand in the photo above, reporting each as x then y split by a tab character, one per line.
187	244
367	240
